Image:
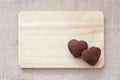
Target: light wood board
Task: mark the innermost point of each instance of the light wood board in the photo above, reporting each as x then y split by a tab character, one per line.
44	35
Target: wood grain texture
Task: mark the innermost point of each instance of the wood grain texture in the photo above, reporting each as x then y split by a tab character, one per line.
44	36
9	68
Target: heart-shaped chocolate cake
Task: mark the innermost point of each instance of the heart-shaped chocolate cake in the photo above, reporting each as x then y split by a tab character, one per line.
76	47
91	55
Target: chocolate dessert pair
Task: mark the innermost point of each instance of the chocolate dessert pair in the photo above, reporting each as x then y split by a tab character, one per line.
80	49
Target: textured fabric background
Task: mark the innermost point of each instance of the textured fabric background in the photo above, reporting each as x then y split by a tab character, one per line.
9	68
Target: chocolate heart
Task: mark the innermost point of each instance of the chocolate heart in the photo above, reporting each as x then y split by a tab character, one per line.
76	47
91	55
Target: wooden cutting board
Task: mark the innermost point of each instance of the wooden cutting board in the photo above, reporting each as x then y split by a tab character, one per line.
44	35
